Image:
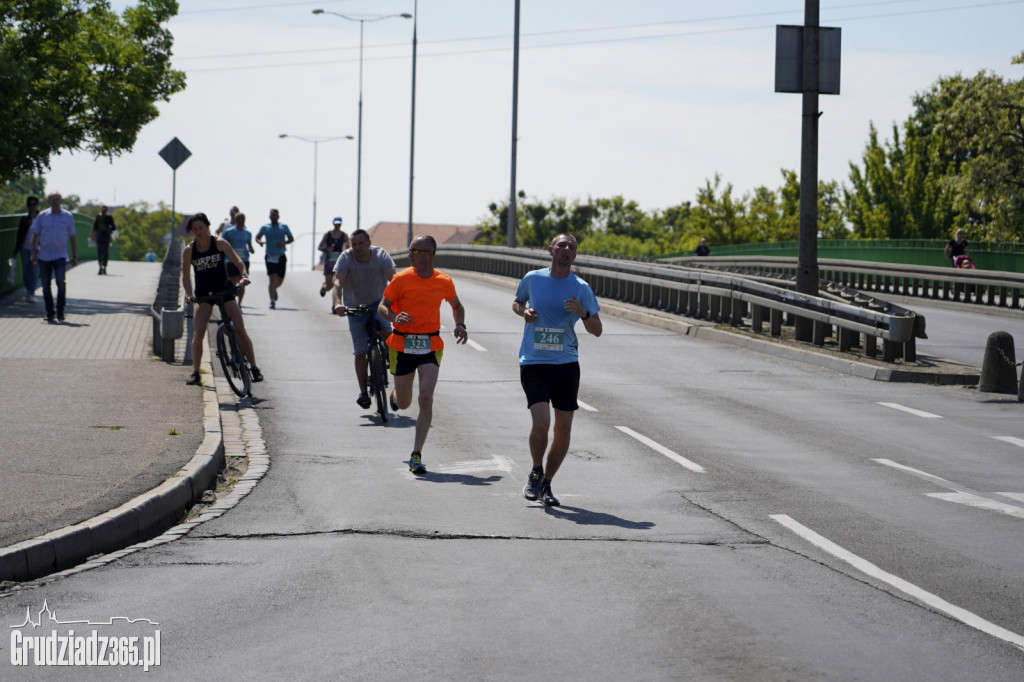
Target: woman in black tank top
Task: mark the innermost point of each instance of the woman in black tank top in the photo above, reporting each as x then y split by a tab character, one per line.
207	255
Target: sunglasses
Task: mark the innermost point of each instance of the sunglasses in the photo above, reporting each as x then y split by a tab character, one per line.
416	252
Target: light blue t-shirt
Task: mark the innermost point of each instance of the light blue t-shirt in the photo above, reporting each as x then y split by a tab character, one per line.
551	338
272	235
240	239
54	230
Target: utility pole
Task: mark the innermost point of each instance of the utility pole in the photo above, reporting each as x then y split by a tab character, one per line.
807	259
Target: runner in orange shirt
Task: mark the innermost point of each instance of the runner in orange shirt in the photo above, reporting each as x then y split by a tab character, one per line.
412	303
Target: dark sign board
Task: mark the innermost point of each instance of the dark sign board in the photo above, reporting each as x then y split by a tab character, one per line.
175	153
789	59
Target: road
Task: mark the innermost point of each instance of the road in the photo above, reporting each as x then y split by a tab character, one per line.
725	515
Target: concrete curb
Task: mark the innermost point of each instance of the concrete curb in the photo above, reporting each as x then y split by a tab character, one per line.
138	520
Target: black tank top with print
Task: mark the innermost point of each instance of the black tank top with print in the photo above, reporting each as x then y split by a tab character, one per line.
211	270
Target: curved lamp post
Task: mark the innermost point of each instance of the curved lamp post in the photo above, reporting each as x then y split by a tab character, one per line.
316	146
362	19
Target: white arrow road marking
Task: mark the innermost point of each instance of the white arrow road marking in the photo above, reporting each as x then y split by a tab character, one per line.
477	346
1011	440
962	494
910	410
477	466
675	457
982	502
586	407
929	599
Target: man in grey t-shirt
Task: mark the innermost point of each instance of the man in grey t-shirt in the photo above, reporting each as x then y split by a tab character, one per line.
360	276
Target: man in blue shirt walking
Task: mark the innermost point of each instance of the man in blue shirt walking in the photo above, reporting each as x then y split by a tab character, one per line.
278	237
50	232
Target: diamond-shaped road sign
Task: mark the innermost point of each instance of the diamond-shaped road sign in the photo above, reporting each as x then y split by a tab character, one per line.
175	153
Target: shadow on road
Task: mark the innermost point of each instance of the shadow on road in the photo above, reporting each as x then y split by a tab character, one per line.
585	517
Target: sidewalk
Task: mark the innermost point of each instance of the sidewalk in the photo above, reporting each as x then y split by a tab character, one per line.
91	418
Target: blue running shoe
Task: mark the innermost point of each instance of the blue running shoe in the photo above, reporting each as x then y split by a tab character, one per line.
416	464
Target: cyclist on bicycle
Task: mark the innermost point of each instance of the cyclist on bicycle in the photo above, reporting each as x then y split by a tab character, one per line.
331	246
206	254
360	275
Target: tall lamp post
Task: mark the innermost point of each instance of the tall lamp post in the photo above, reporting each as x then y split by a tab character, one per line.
362	19
316	148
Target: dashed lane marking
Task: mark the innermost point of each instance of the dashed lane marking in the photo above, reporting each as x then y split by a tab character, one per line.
962	494
588	408
657	447
929	599
910	410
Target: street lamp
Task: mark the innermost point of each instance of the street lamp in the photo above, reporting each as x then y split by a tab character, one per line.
316	147
362	19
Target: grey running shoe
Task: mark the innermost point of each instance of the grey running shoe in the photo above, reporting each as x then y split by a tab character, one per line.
532	489
546	496
193	379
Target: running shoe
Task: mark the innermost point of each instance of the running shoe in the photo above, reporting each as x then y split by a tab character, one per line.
546	496
257	375
392	401
273	304
323	291
416	464
532	489
363	400
193	379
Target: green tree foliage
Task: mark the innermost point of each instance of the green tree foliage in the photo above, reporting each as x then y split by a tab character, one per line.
139	229
17	190
982	130
74	75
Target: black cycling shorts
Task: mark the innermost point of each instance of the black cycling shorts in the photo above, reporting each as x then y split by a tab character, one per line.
406	363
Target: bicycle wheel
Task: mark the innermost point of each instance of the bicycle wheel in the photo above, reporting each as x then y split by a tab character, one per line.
236	370
378	379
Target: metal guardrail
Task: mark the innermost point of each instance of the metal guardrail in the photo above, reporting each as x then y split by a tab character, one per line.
985	287
730	298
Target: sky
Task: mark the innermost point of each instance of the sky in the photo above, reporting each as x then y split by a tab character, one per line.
648	99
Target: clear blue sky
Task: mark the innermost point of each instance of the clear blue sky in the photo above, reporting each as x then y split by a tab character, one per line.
646	99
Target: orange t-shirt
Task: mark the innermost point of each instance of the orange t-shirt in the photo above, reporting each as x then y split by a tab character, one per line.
421	298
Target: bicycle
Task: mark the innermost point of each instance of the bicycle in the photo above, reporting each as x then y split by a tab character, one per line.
232	360
376	358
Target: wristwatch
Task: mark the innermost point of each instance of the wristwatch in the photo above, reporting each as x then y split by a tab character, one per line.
460	324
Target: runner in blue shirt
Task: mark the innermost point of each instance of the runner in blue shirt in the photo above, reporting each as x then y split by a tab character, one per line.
241	241
278	237
551	300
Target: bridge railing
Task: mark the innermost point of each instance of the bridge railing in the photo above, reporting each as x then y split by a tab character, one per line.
854	319
985	287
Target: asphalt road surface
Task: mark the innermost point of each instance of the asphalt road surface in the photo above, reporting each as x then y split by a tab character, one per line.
725	516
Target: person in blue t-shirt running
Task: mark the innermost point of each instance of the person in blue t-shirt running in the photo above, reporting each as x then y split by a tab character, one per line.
551	300
240	239
278	237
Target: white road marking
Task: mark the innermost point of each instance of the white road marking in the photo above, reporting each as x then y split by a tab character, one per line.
962	494
675	457
1019	442
586	407
918	413
929	599
477	346
982	502
477	466
917	472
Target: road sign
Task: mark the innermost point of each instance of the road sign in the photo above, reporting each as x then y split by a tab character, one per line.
175	153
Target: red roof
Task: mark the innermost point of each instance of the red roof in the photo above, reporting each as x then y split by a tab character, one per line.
394	237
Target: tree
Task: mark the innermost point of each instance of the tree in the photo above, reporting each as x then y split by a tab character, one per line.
17	190
74	75
139	229
983	130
